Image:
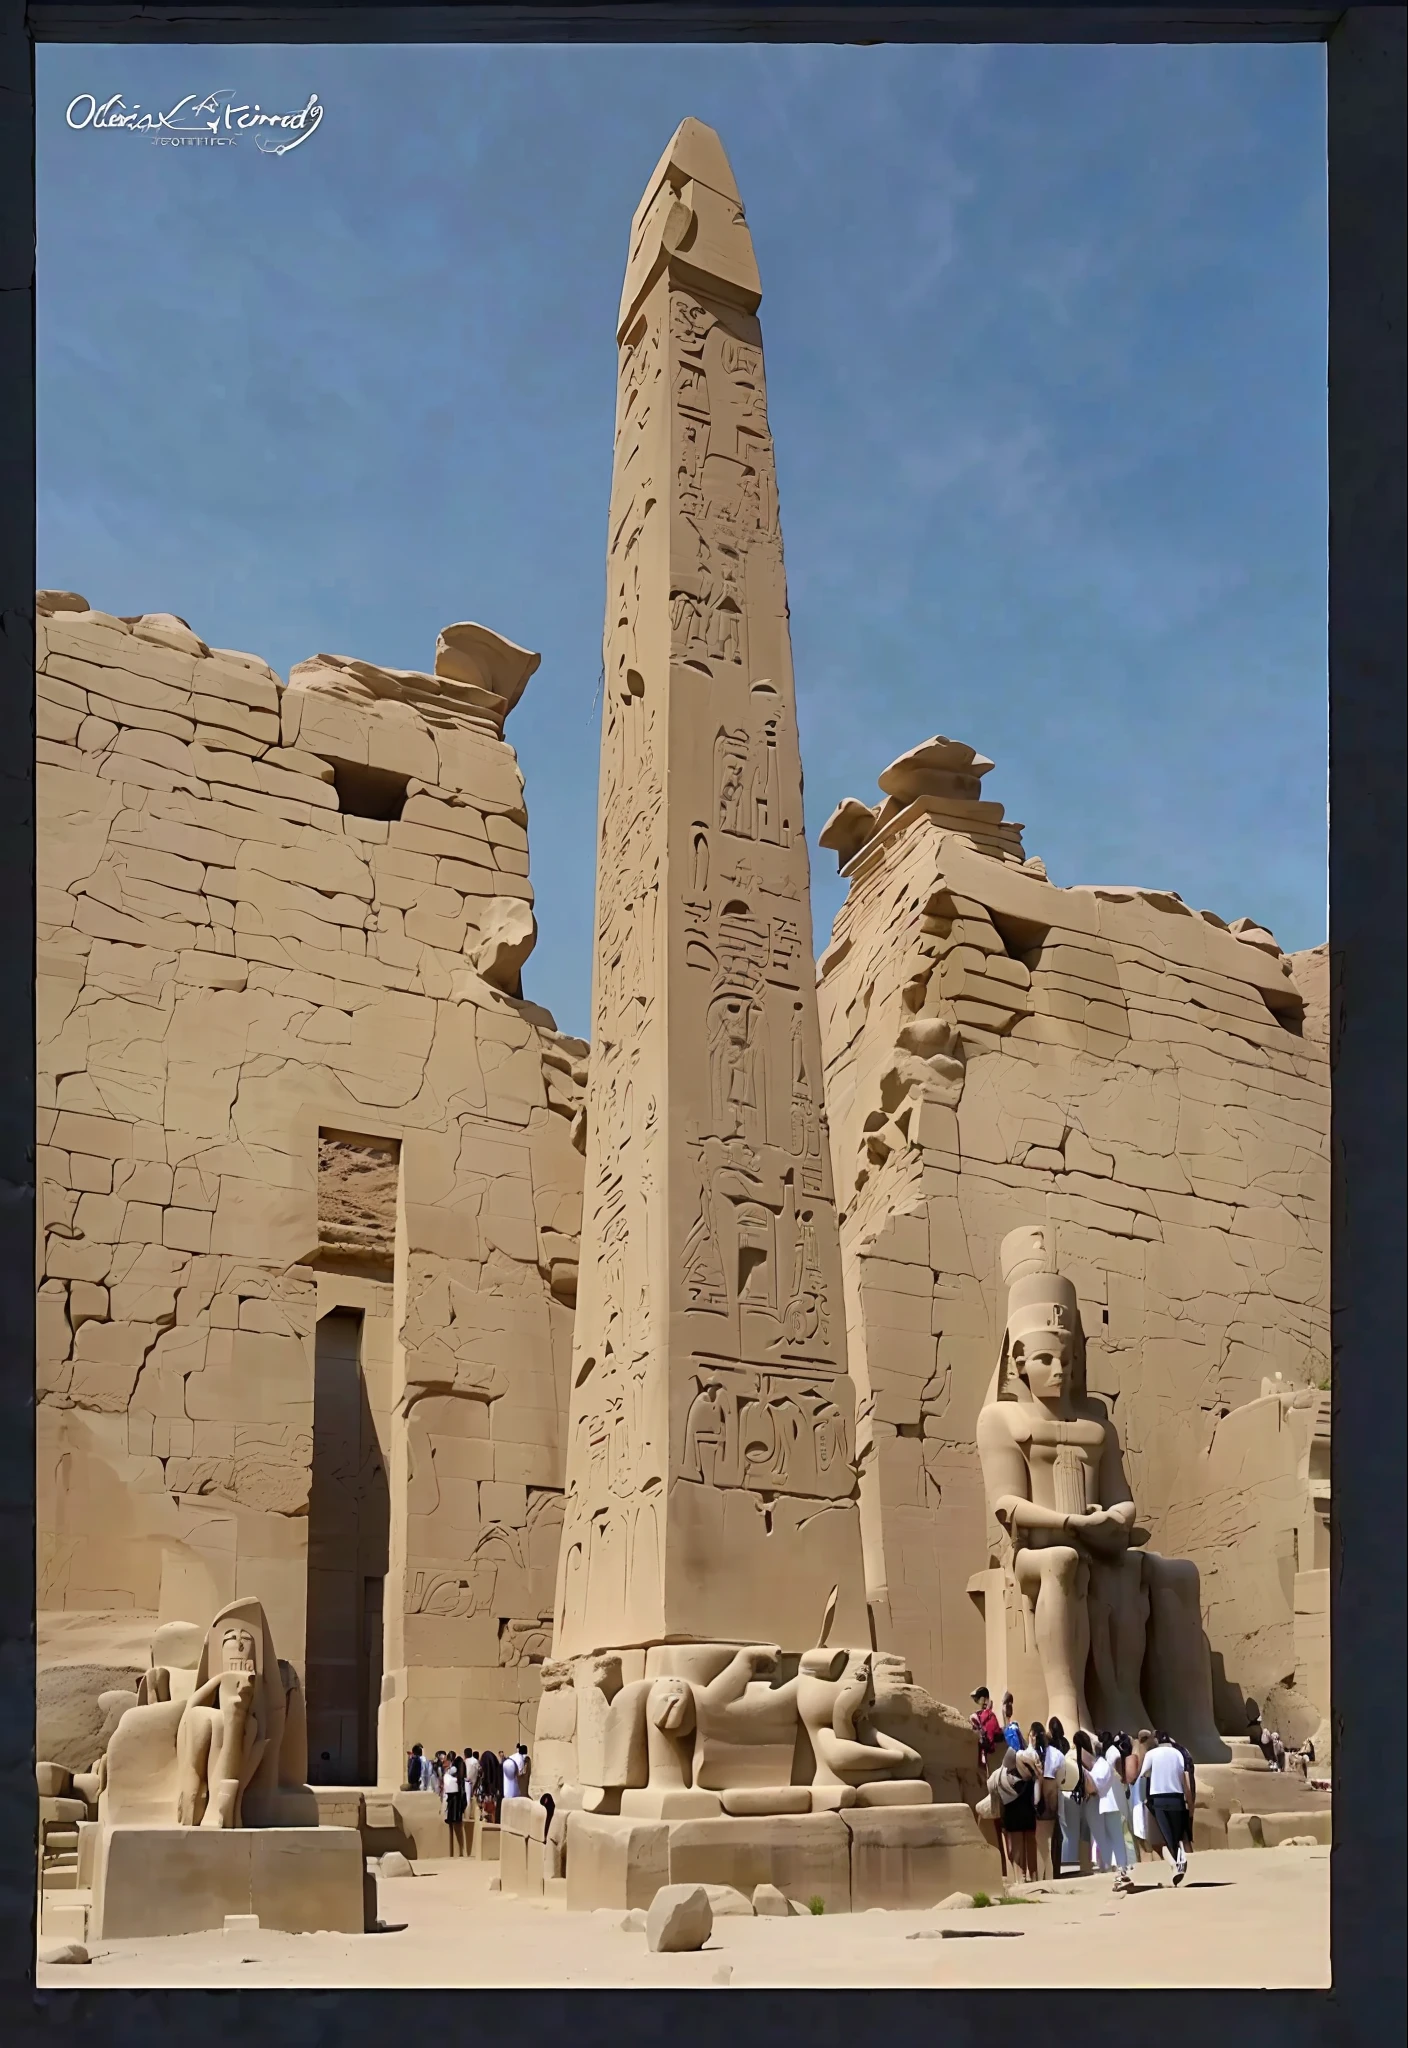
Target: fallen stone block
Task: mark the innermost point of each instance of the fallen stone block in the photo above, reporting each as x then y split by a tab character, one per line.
726	1898
769	1903
680	1918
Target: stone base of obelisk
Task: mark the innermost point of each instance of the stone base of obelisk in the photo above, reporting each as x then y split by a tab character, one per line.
851	1860
186	1880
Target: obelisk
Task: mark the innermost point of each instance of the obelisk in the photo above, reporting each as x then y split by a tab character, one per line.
711	1480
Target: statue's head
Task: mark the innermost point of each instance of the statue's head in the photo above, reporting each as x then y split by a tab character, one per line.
670	1705
1042	1346
1042	1359
237	1648
237	1642
858	1684
1041	1333
855	1693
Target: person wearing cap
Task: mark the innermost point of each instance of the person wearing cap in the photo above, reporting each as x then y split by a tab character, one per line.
987	1725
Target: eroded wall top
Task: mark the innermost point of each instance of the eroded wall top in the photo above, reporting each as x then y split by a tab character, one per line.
282	929
1151	1080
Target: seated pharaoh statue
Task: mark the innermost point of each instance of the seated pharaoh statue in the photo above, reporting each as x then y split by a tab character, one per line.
1118	1630
220	1745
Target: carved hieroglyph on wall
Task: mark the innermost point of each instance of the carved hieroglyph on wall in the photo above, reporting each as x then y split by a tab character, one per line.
711	1417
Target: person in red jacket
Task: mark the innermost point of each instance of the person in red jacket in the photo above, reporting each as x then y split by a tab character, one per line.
986	1725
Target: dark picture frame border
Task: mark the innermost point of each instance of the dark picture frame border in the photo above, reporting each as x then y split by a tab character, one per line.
1368	667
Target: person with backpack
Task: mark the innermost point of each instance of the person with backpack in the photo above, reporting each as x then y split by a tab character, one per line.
1013	1787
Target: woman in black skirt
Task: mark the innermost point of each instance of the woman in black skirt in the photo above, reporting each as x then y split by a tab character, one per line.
455	1800
491	1785
1015	1788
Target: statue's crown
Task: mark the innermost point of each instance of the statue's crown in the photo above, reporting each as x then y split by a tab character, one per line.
1038	1297
1027	1251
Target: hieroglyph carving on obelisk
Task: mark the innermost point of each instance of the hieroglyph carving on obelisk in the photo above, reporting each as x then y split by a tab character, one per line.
711	1458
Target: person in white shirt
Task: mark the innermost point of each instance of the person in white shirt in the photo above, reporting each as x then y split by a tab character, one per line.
453	1803
1107	1816
471	1773
1164	1774
510	1770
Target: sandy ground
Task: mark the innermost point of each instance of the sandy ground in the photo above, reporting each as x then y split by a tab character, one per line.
1254	1918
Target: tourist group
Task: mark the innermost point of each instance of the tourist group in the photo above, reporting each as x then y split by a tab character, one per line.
1083	1802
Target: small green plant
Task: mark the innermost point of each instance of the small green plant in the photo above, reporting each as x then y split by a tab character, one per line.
1008	1900
981	1899
816	1905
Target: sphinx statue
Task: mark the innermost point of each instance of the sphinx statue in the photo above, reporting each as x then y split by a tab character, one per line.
835	1695
1118	1629
732	1730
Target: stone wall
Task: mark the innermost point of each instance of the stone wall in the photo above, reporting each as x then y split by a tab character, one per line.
1253	1507
281	929
1152	1082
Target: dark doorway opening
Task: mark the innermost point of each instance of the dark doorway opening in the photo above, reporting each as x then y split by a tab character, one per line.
348	1527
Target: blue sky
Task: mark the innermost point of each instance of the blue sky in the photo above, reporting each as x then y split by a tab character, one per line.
1045	336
